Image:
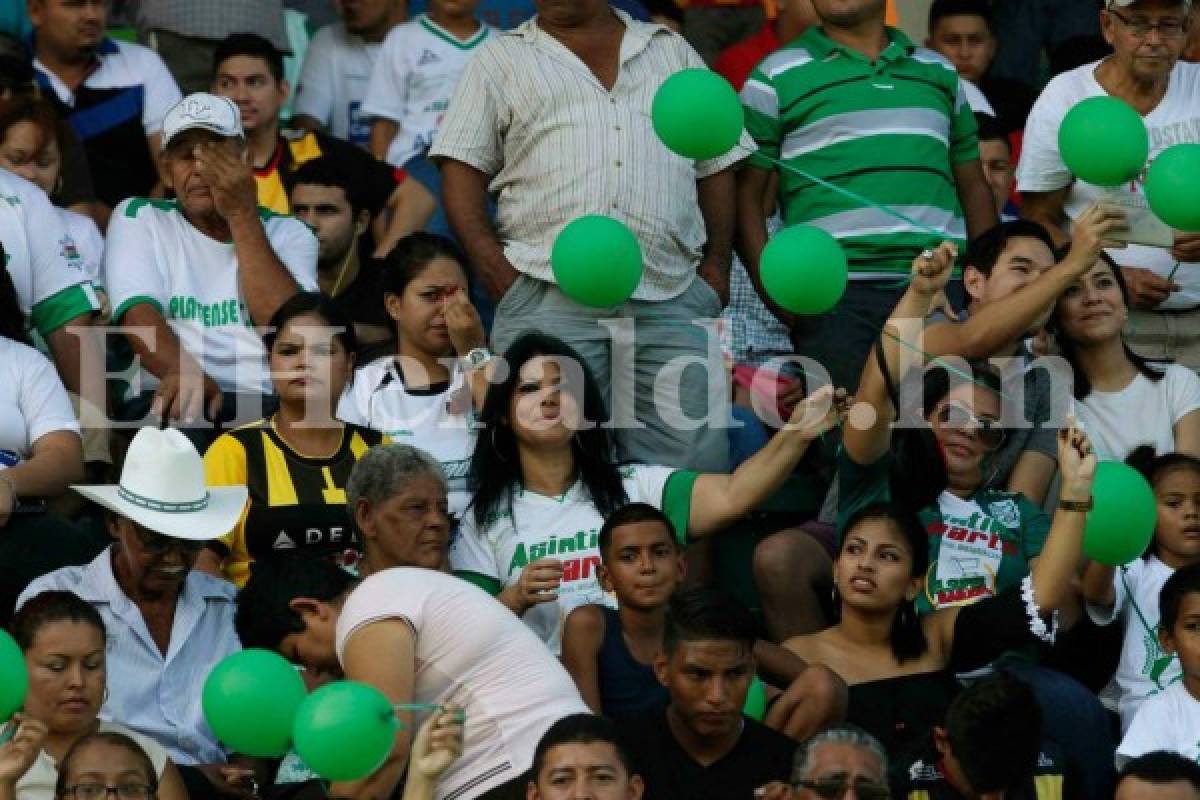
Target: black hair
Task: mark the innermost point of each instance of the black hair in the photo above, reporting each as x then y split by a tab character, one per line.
907	636
959	8
985	250
495	468
12	318
1184	581
1159	767
704	614
990	130
104	737
1083	386
664	8
938	381
264	614
16	67
995	731
49	607
325	171
628	515
251	45
1154	468
579	729
320	305
408	259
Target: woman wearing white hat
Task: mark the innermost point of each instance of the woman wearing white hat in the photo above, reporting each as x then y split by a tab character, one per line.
167	624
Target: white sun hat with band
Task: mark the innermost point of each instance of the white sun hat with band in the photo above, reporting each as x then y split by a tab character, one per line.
163	489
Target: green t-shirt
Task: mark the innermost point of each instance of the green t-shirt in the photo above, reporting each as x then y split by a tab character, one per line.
978	546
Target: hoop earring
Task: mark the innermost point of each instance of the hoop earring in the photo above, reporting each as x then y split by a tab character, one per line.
496	447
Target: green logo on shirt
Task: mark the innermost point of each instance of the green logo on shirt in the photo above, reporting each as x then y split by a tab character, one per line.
555	545
210	315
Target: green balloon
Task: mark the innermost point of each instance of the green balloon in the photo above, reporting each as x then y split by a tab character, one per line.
1171	185
756	700
14	678
1103	141
250	700
697	114
1122	519
345	730
597	261
803	269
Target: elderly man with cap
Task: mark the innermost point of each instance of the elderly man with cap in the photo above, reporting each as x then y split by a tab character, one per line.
1145	71
167	624
189	278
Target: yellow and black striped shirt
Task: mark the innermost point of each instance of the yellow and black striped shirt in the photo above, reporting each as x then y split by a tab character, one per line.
296	502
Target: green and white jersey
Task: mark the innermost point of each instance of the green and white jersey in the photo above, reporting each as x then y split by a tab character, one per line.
566	528
439	420
890	131
155	256
41	257
413	79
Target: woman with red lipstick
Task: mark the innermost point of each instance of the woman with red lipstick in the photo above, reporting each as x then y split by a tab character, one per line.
1123	400
296	462
63	639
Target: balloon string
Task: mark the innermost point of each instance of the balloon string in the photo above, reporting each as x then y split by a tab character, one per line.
416	707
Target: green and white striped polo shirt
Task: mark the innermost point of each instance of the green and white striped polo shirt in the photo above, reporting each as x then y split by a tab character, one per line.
889	131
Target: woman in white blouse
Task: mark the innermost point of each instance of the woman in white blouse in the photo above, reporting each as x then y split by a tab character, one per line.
1122	400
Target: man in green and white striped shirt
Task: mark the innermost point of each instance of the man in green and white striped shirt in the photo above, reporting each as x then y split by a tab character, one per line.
858	105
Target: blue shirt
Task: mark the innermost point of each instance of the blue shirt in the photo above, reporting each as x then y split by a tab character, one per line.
156	695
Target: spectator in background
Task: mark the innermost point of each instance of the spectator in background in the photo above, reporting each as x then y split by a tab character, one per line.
712	25
115	94
186	33
962	31
1159	776
548	156
1144	71
798	104
103	759
169	624
1067	32
195	274
582	756
415	76
337	66
328	201
737	61
999	166
837	760
700	746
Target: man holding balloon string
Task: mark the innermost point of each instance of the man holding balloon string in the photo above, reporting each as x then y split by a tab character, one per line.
875	144
1071	160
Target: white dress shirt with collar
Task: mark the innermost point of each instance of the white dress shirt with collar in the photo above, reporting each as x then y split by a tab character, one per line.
156	695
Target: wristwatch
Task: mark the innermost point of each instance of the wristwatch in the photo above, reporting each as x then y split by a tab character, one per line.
1077	505
477	358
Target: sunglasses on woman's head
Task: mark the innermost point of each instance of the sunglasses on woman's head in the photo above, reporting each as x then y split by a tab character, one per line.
959	417
837	788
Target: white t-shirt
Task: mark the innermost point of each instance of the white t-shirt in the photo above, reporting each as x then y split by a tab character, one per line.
473	653
1041	169
1144	669
1109	417
40	781
1168	721
33	401
88	243
413	80
333	82
43	259
154	255
441	424
126	64
566	528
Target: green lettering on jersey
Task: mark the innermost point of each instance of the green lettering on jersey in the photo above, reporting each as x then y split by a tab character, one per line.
214	315
519	559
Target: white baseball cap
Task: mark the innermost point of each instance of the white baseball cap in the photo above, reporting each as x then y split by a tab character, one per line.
202	110
1187	4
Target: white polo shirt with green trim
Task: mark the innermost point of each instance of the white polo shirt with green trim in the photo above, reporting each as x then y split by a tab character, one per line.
155	256
566	528
413	79
41	257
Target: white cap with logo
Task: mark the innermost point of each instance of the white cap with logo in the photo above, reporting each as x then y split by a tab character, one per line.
205	111
1187	4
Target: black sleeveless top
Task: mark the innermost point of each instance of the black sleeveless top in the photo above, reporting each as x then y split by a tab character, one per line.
626	685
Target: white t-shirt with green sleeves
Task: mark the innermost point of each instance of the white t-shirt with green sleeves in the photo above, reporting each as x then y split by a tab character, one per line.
566	528
155	256
42	259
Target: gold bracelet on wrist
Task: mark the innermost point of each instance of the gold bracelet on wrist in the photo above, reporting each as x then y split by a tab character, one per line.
1081	506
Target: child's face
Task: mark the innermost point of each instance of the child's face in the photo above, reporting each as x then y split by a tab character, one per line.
643	566
1177	535
1184	638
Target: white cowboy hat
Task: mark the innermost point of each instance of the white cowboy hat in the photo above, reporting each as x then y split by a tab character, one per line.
162	488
